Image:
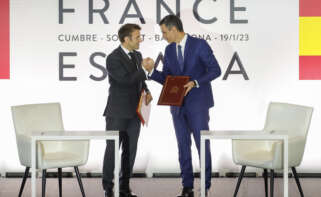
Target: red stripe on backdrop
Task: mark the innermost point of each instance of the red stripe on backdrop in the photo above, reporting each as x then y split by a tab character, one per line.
310	67
310	8
4	40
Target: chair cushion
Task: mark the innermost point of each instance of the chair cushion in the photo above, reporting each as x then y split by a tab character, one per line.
61	160
259	158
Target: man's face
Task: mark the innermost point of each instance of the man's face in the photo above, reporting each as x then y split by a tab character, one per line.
168	34
134	40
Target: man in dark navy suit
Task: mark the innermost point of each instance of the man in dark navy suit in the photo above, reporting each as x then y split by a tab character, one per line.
193	57
127	79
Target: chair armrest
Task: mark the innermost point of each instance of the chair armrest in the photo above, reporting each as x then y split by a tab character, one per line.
296	145
24	149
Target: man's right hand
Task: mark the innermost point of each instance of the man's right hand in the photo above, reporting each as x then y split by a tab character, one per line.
148	64
149	98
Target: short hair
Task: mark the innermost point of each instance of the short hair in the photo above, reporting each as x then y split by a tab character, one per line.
127	30
172	21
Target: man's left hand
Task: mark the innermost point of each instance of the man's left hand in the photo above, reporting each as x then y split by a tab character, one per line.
149	98
189	86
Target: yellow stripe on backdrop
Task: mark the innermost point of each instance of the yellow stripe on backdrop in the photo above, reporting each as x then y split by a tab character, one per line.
310	36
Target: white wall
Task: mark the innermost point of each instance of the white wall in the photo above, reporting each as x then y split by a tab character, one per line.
270	58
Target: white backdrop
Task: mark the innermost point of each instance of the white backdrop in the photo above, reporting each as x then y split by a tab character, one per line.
269	57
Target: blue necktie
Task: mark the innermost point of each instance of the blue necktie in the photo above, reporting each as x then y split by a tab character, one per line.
180	58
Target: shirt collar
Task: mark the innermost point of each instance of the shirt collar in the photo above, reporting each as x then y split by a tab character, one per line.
125	50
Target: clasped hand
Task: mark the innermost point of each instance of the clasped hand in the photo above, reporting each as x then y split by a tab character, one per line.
148	64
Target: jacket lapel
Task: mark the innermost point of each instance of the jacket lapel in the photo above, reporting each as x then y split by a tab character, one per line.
187	52
138	59
129	64
175	65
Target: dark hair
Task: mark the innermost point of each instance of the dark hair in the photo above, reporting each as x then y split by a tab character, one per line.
127	30
172	21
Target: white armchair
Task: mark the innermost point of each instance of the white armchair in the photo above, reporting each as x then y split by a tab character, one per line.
282	118
50	154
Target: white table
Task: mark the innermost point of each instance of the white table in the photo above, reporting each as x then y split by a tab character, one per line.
73	135
244	135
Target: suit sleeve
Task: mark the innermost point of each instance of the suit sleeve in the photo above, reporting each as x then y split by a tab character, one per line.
140	59
118	72
209	61
160	76
145	87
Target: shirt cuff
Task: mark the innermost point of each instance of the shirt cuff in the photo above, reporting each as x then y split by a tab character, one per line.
146	72
196	84
150	74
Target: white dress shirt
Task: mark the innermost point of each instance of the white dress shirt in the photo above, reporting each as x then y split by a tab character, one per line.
183	43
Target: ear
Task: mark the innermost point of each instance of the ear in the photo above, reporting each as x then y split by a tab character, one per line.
126	39
174	29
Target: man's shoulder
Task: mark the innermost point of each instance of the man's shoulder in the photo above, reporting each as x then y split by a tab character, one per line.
197	44
115	53
170	46
196	40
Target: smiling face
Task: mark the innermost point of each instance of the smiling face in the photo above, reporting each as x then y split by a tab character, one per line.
132	42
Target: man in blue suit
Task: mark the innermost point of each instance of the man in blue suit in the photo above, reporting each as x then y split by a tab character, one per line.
193	57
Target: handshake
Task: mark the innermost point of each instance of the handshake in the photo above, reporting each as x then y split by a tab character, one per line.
148	64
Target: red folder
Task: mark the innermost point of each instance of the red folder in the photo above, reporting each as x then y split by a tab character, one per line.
173	90
143	110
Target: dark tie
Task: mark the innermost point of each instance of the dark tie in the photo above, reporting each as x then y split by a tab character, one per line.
133	58
180	58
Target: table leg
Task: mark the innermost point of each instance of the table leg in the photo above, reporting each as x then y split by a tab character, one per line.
116	172
202	166
33	168
286	166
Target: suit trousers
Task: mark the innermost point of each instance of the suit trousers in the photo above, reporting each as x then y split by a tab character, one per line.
129	130
187	124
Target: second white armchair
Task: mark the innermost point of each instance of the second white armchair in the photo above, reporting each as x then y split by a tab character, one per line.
49	154
282	118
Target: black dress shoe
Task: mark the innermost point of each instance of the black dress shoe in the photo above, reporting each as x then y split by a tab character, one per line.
109	193
187	192
132	194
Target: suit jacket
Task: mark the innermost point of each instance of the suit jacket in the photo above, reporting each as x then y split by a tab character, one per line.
126	83
199	64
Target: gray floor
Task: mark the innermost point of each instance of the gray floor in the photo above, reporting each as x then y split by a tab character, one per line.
163	187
